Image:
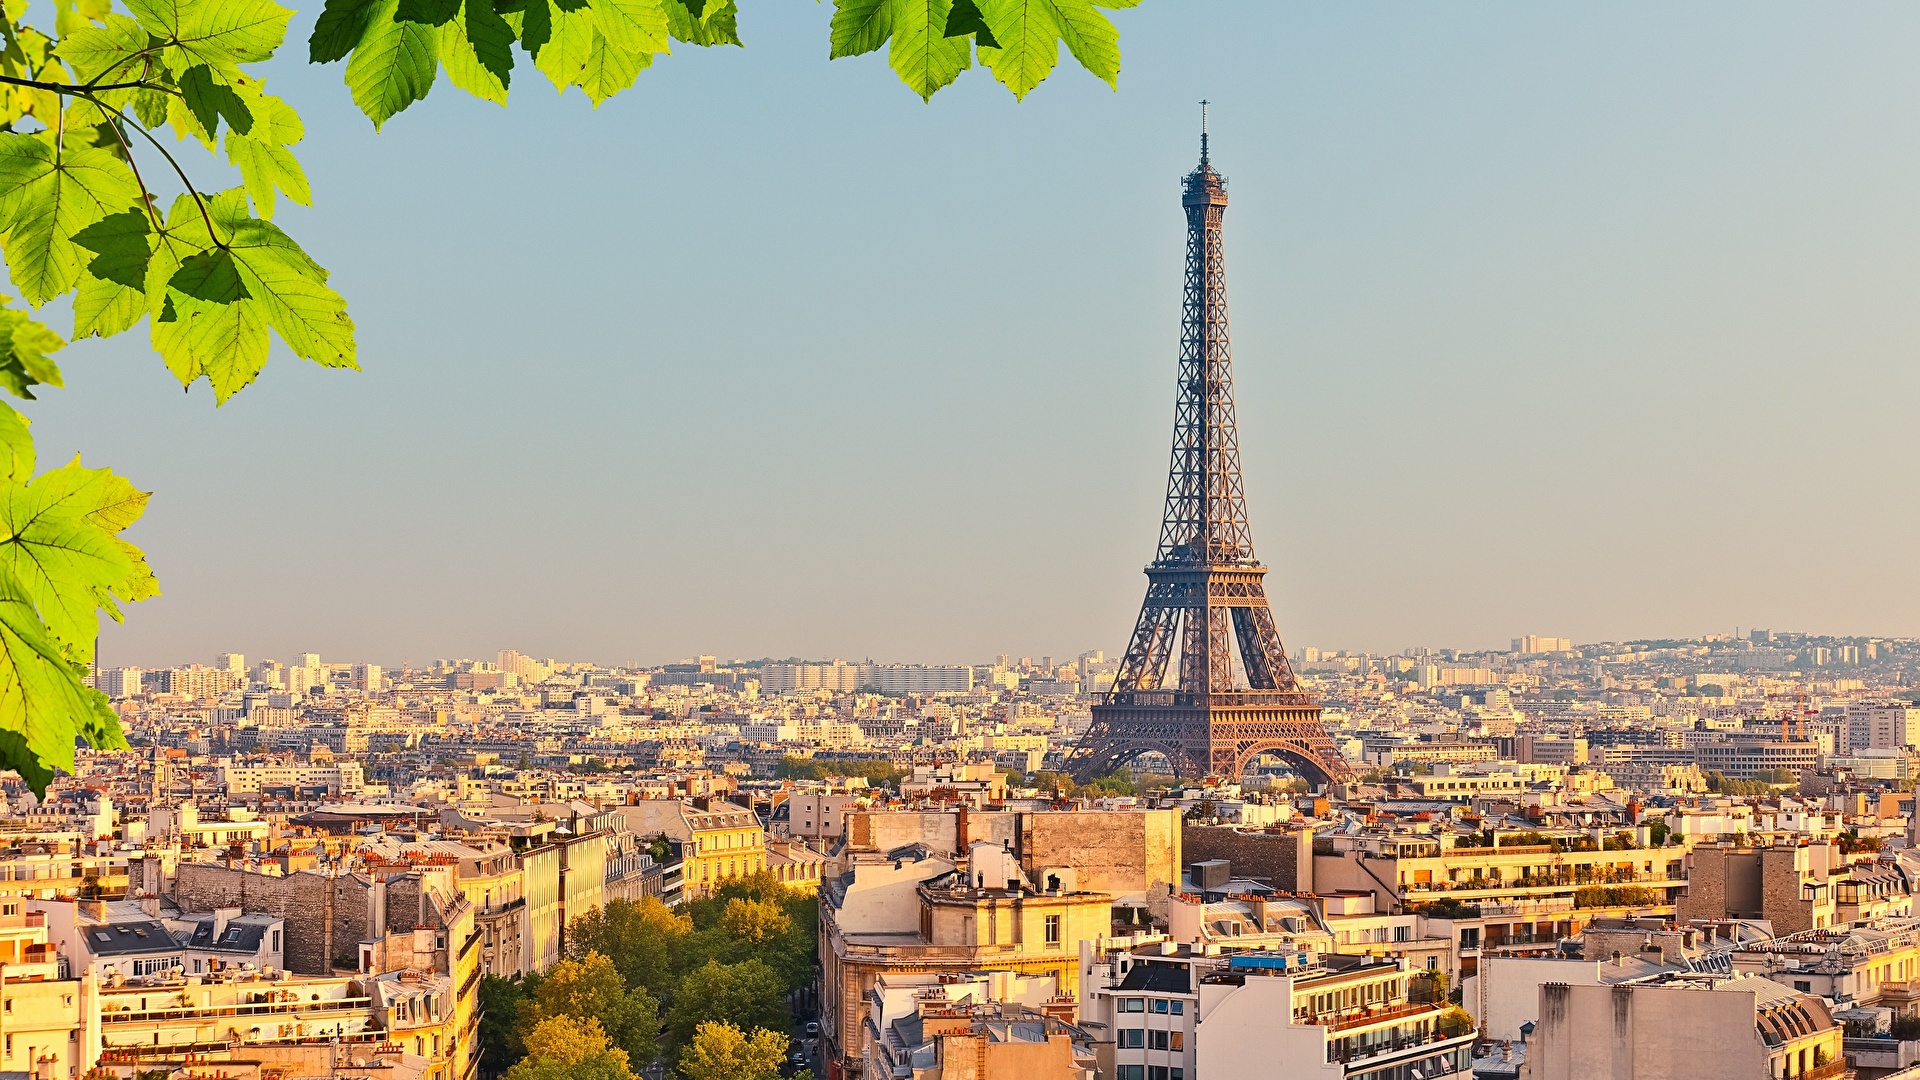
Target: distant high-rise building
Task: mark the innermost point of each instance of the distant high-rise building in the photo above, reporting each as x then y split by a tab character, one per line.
119	683
308	660
231	661
1533	644
368	677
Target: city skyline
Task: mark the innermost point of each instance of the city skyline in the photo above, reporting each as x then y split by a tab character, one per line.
1542	321
1058	658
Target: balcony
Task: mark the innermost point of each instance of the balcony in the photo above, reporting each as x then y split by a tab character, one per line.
1832	1070
196	1012
1359	1018
1431	1040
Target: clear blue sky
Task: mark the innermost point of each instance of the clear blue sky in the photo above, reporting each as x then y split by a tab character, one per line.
1594	320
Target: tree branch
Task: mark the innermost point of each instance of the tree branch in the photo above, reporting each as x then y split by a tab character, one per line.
69	88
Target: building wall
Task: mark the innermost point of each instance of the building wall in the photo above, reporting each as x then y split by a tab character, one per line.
975	1057
1122	852
1644	1033
1244	1031
326	916
1506	992
1276	857
544	907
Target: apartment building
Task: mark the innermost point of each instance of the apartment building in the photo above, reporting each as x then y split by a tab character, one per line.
1794	886
1878	725
911	911
819	816
1868	966
1162	1011
945	1040
720	841
1508	894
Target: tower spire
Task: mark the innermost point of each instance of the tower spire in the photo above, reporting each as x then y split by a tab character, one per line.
1203	133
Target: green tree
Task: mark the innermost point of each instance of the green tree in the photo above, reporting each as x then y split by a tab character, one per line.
500	1002
94	207
641	936
571	1048
724	1052
591	988
747	995
755	921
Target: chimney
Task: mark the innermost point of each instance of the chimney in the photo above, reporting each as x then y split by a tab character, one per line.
150	905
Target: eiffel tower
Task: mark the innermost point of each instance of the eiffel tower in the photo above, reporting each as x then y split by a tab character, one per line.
1204	587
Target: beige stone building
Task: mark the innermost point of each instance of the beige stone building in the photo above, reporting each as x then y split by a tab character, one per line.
1738	1029
984	1042
720	840
909	911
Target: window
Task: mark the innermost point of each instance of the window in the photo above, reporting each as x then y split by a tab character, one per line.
1133	1004
1121	1072
1178	1073
1179	1007
1157	1072
1803	986
1159	1005
1053	929
1156	1040
1132	1039
1179	1039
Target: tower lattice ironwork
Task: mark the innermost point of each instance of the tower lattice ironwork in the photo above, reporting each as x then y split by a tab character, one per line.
1205	595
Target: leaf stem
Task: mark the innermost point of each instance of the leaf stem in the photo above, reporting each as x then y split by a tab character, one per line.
198	199
146	195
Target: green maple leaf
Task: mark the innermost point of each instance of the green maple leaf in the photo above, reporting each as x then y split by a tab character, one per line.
217	33
25	353
212	303
859	27
633	26
610	69
16	446
476	48
43	703
708	25
108	53
393	64
261	154
965	18
562	55
59	549
922	54
339	30
46	195
211	325
112	294
932	41
61	562
1029	42
206	97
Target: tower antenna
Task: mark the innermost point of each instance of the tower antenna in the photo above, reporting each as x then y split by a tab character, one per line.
1203	132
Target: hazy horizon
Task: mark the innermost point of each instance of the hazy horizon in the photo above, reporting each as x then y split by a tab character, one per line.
1592	322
